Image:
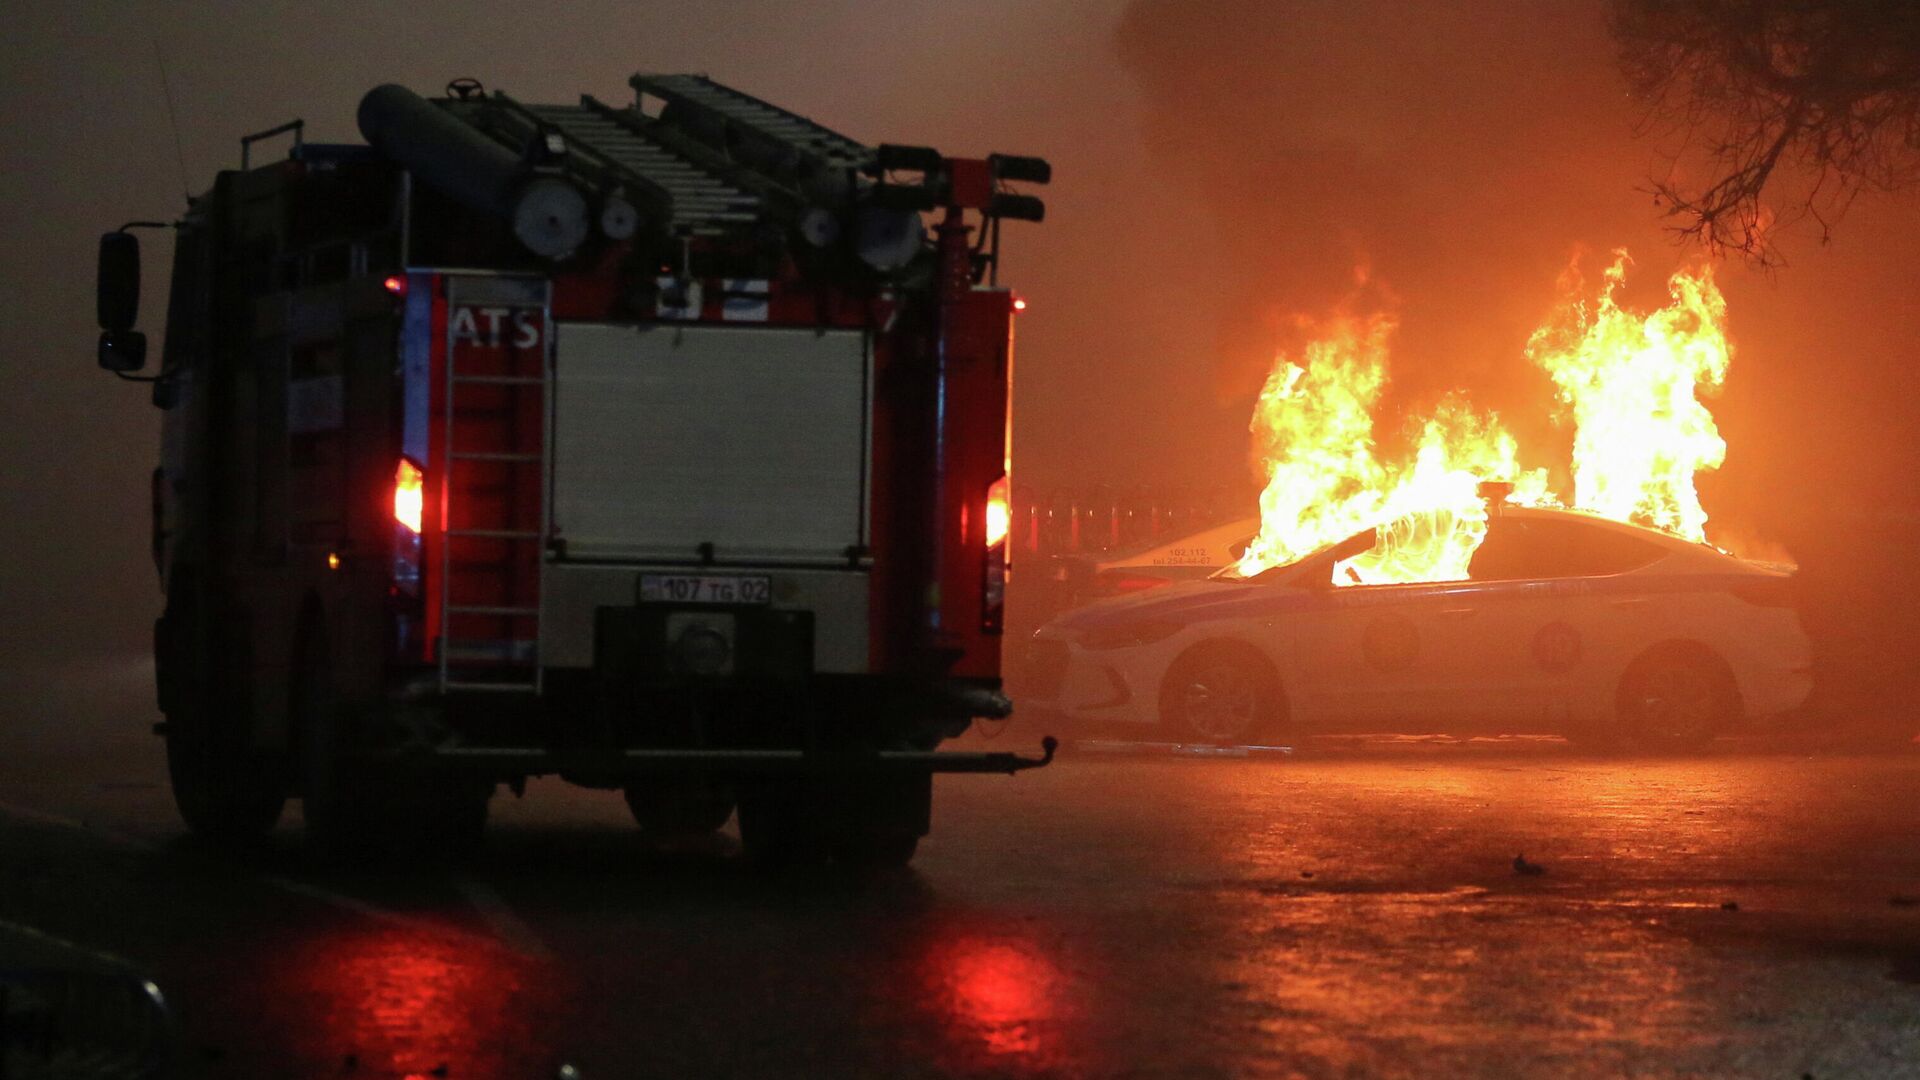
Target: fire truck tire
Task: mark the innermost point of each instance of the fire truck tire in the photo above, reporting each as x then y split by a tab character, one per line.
339	799
881	820
780	828
875	851
224	791
439	814
1676	697
678	808
1222	693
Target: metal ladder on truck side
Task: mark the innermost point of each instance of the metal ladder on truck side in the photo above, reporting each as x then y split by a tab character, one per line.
493	508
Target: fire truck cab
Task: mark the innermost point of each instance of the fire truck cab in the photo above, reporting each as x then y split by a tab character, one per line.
661	447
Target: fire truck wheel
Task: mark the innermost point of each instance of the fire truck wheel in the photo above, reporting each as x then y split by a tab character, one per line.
1222	693
875	851
338	796
440	814
669	808
1677	697
881	820
779	827
224	791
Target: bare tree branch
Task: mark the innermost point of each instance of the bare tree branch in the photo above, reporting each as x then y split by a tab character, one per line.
1808	102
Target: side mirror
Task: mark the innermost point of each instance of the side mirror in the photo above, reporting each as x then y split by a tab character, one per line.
117	288
123	350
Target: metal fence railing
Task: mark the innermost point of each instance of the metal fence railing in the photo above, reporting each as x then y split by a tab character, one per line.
1092	519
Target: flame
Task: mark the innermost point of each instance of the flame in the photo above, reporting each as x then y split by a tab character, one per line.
1325	479
1630	384
1627	383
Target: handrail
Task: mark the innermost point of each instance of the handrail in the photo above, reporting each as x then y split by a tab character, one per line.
297	126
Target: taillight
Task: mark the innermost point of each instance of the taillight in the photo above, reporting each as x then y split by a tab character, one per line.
408	498
408	495
997	519
999	516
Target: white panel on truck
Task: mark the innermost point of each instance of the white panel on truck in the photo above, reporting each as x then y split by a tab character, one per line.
668	437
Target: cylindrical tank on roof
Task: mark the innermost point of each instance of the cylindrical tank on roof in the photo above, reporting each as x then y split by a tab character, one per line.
548	213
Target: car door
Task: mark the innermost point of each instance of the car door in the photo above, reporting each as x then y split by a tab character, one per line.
1374	658
1542	602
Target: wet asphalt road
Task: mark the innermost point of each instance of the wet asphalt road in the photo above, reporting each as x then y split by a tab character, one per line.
1349	910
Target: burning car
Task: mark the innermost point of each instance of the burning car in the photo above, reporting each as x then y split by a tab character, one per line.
1564	621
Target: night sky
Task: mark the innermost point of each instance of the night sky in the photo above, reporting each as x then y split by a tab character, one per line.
1218	167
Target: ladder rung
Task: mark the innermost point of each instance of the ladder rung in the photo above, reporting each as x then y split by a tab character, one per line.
474	651
498	534
501	380
467	609
489	455
497	687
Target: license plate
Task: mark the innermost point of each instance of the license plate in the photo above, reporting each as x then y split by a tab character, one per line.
705	589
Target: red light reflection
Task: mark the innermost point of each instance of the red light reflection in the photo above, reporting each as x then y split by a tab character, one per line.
1005	993
407	1003
1003	1002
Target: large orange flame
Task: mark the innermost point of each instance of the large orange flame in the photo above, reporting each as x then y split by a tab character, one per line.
1630	384
1627	382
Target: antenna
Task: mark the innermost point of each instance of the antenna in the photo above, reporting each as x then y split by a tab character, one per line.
173	121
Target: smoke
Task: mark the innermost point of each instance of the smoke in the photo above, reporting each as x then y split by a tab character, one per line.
1461	150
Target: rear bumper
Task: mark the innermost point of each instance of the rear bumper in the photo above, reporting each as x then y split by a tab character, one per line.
1767	692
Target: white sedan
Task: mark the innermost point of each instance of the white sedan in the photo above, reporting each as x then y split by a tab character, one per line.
1567	623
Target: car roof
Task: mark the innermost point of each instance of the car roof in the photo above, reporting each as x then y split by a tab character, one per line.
1591	519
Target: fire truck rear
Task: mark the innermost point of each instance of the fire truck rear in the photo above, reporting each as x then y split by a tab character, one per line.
661	447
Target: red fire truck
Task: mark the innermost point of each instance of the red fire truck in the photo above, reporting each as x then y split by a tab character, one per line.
661	447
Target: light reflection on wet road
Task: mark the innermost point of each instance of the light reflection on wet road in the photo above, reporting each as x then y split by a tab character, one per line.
1333	914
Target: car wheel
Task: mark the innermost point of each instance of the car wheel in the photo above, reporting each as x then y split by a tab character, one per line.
1676	699
1219	695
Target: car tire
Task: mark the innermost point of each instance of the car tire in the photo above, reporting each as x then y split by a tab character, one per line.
1676	698
1220	694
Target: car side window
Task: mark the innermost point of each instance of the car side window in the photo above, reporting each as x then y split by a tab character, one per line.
1517	550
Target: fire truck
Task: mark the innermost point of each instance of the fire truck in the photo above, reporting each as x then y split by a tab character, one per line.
660	446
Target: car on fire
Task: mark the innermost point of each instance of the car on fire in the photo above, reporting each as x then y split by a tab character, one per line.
1566	622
